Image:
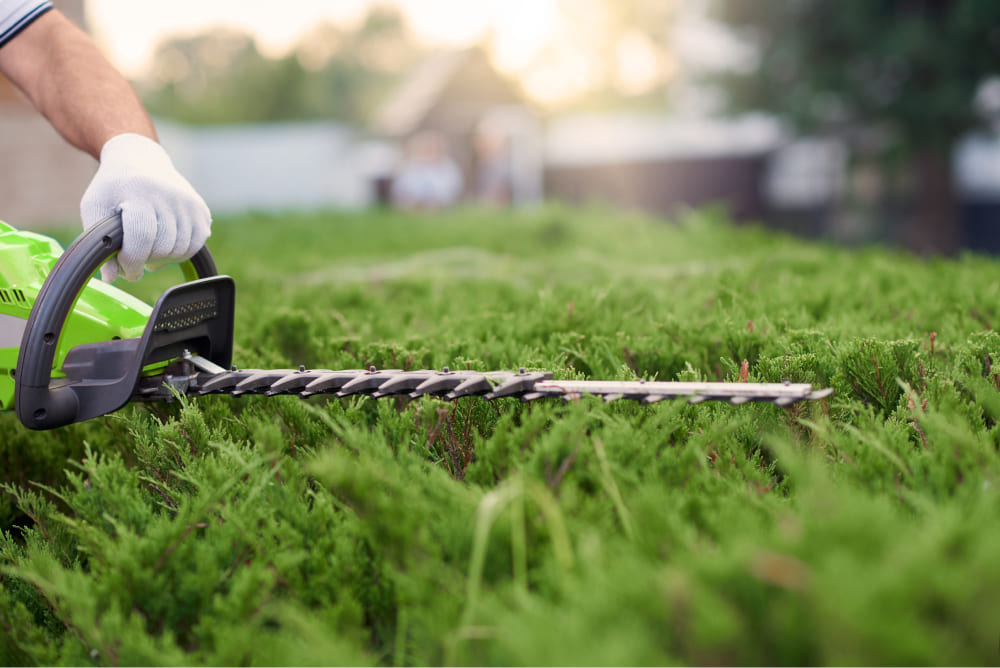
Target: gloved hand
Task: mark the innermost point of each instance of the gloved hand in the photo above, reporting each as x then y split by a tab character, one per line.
164	220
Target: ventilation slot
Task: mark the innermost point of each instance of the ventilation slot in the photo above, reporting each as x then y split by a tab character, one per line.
14	296
182	316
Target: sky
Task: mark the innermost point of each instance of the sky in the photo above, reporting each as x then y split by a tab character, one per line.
529	40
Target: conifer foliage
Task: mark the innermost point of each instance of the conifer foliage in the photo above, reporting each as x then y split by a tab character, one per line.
347	531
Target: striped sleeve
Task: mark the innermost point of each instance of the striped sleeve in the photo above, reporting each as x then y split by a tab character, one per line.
16	15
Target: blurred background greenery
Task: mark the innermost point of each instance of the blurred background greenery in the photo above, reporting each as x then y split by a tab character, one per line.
861	121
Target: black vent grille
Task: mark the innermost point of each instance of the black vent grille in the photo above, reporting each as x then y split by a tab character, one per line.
182	316
13	296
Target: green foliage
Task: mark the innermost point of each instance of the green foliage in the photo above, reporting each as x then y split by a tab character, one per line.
280	531
895	80
913	65
333	73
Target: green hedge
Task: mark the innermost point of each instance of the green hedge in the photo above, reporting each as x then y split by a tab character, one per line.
857	529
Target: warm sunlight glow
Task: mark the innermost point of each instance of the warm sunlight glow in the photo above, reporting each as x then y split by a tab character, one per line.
521	29
563	70
639	66
130	30
554	57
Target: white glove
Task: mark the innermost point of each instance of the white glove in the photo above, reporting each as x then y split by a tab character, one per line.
163	218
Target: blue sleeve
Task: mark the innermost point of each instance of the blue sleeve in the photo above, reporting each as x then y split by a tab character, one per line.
16	15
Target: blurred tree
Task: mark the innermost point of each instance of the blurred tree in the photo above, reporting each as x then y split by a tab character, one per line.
908	68
333	73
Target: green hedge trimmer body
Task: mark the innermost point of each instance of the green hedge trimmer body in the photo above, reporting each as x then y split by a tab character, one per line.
102	312
73	347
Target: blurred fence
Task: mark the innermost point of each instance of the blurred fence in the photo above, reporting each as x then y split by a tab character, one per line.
270	166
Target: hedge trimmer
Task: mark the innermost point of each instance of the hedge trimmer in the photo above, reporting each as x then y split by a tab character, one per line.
73	348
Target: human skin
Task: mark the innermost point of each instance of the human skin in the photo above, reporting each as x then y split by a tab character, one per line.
71	83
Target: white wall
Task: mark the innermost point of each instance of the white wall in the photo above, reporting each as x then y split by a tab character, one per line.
270	166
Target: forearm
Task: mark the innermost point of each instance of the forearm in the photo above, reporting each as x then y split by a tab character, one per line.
72	84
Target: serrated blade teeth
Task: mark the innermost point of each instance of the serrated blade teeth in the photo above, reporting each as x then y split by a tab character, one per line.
490	385
820	394
402	383
294	382
476	384
330	382
222	382
518	383
367	382
259	381
439	384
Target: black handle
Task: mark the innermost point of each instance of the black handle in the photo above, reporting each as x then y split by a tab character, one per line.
38	404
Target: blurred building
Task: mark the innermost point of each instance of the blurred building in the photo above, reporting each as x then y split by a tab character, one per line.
804	184
977	176
42	178
486	123
661	164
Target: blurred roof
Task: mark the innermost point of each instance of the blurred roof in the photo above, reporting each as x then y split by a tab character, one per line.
450	88
409	104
